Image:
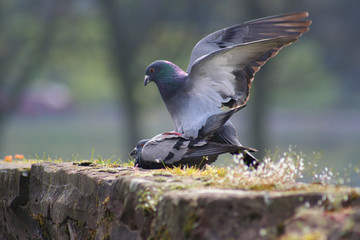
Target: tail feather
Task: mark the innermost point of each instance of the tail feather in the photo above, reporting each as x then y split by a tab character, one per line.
216	121
250	160
227	134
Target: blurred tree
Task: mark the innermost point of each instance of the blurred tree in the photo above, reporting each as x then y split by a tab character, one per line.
130	26
259	96
27	33
127	34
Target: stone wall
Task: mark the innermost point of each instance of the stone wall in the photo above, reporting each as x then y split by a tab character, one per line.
86	201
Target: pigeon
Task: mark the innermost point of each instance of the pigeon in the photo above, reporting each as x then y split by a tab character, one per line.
216	121
172	149
221	69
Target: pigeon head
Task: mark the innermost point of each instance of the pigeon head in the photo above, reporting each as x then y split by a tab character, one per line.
139	146
167	76
136	152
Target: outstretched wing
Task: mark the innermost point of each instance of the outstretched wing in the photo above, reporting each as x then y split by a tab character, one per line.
224	77
233	56
255	30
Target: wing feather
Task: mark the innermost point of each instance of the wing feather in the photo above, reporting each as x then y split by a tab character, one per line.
229	72
291	24
212	149
167	148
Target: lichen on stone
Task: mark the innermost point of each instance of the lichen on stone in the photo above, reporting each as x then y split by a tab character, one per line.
148	201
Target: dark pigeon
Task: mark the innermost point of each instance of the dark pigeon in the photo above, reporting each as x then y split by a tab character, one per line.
173	149
221	69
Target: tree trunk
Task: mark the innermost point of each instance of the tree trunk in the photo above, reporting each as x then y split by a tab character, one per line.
122	49
28	71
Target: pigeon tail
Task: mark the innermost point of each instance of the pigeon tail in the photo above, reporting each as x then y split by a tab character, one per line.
215	122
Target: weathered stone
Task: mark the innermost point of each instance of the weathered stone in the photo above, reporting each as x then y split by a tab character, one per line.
338	224
226	214
15	219
87	201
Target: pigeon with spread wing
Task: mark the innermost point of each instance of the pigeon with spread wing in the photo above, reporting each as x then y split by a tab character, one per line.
220	73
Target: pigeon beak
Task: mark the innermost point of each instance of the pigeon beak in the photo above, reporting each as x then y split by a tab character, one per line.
133	152
146	80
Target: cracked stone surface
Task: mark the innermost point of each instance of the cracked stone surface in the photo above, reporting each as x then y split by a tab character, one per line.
70	201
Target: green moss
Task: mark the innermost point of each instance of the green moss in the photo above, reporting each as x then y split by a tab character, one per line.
162	234
174	187
109	216
190	224
148	201
40	219
306	236
263	187
159	179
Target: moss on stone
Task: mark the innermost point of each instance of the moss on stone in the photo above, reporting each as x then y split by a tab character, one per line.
40	219
148	201
162	234
316	235
179	203
190	221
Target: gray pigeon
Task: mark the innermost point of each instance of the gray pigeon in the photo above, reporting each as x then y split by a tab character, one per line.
173	149
221	69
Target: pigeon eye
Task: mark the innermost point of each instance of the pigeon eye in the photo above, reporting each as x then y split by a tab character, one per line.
141	145
151	70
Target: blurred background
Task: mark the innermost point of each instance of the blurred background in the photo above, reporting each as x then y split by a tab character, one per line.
71	76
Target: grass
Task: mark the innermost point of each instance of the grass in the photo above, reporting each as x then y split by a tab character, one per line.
110	162
275	171
195	172
270	174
